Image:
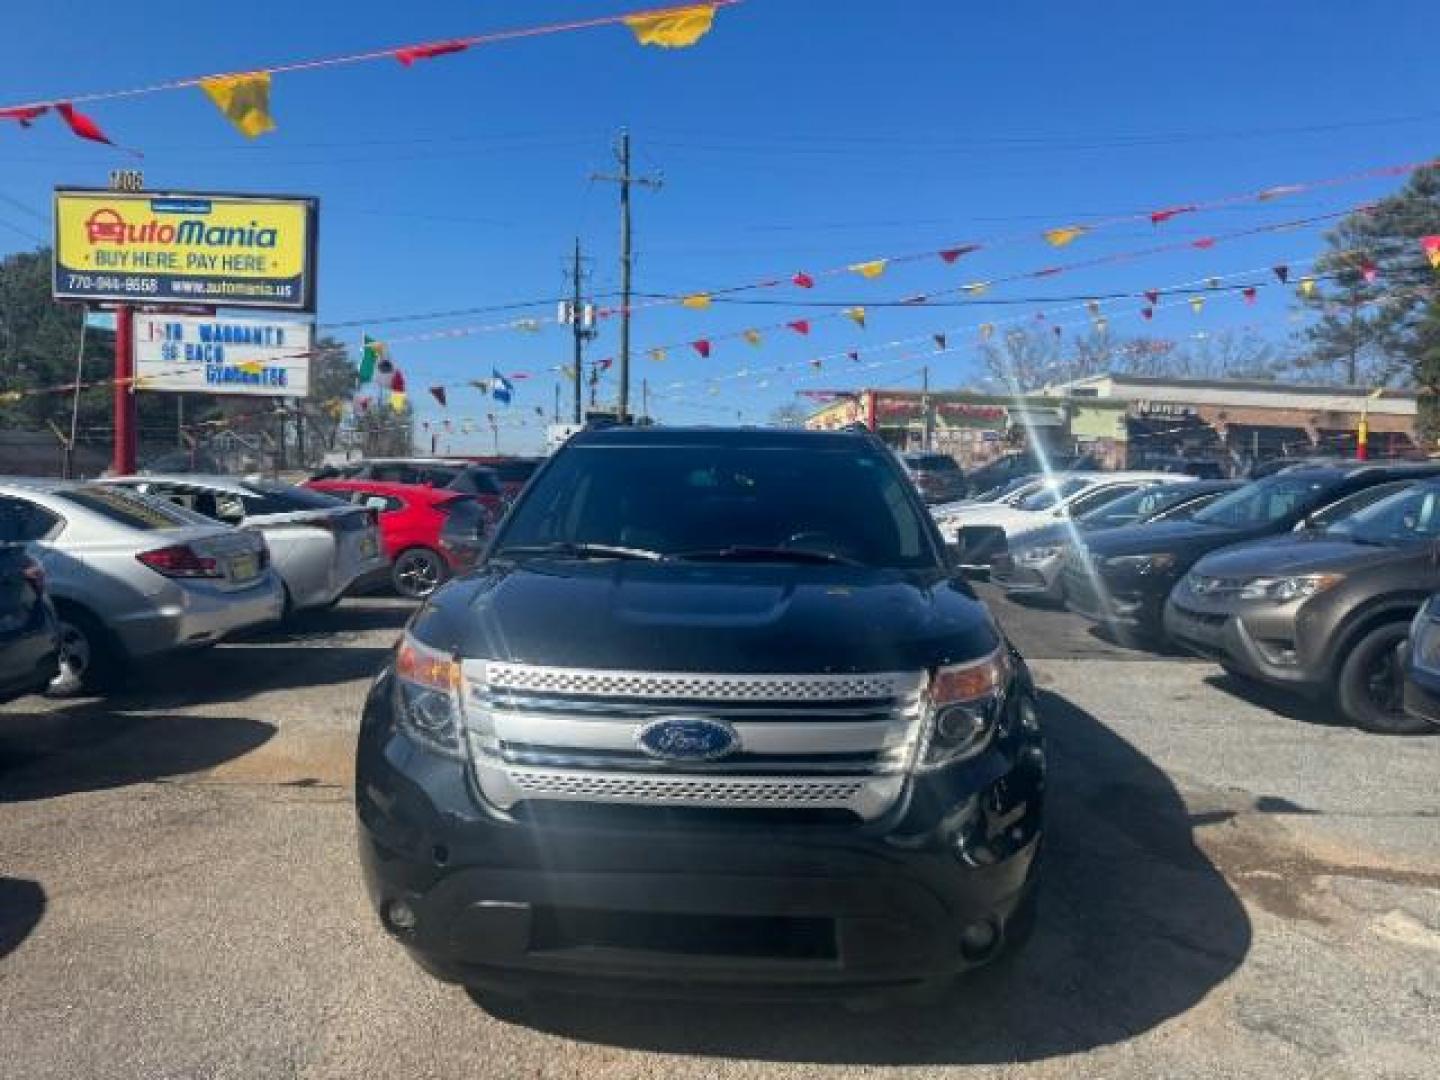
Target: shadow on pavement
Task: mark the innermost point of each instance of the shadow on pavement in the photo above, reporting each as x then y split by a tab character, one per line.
1136	927
22	906
349	617
89	747
1292	706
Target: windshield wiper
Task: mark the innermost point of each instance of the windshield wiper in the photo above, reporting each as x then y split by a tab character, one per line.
740	553
568	550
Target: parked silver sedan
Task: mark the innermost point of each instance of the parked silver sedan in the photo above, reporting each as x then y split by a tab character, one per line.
320	545
133	578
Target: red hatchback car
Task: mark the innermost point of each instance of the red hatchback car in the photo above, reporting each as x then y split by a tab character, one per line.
430	534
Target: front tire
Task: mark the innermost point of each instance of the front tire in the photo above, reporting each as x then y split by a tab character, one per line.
1371	684
89	658
418	572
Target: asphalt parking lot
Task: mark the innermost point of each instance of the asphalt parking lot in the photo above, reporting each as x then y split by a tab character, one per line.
1238	886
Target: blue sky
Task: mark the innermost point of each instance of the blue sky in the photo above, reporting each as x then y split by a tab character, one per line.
800	135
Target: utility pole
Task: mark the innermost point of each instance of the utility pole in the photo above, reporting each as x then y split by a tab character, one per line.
581	317
929	418
625	179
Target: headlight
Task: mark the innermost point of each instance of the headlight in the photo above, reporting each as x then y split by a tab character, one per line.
427	696
1284	589
1141	564
1042	554
1425	640
962	707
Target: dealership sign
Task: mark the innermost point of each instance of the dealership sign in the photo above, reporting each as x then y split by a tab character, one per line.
152	248
196	354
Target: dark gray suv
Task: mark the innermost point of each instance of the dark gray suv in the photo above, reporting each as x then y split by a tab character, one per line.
1324	612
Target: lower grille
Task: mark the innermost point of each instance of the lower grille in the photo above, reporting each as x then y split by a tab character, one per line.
686	790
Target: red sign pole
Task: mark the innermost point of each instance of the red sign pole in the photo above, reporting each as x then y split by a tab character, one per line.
122	461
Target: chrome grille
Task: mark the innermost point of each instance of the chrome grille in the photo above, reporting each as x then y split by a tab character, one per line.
833	740
685	686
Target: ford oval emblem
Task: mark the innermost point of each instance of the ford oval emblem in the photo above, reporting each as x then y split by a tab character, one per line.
688	738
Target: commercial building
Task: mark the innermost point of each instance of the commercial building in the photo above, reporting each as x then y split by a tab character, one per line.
1124	420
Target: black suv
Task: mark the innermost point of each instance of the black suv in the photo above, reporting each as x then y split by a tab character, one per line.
716	710
1323	611
1122	577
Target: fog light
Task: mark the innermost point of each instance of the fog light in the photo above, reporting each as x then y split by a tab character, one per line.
978	940
400	916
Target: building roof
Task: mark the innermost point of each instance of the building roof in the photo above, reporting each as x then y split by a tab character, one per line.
1157	382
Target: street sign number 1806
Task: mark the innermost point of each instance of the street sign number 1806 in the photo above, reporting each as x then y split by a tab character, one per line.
127	180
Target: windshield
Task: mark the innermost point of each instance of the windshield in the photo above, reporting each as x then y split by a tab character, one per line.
671	500
1136	506
1050	493
1409	517
1268	501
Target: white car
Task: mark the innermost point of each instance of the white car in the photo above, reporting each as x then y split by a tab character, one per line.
985	530
319	545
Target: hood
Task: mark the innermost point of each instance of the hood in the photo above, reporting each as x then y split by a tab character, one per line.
694	617
1185	538
1299	555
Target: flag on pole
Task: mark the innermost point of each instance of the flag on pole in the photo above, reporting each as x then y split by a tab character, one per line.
244	100
371	351
501	388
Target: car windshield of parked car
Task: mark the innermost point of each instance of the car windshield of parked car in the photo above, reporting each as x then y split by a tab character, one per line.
931	463
270	498
1267	501
1134	506
1410	517
132	510
847	504
1051	492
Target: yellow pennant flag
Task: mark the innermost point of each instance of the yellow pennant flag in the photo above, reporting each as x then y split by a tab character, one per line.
1307	287
872	269
673	29
752	337
977	288
658	355
856	315
1063	237
697	301
244	99
397	402
1197	304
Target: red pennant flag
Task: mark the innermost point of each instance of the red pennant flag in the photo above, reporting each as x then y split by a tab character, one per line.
1369	271
804	280
25	115
1249	294
1205	243
82	125
604	366
1153	295
438	393
1283	273
1147	313
952	254
1049	271
397	382
800	326
940	341
411	53
1161	216
702	347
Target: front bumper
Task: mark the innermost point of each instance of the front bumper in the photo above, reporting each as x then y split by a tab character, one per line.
646	898
1029	579
1257	642
1131	604
195	613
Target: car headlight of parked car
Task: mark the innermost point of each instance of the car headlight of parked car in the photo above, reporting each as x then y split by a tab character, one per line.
963	706
1284	589
427	692
1042	553
1425	639
1157	563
